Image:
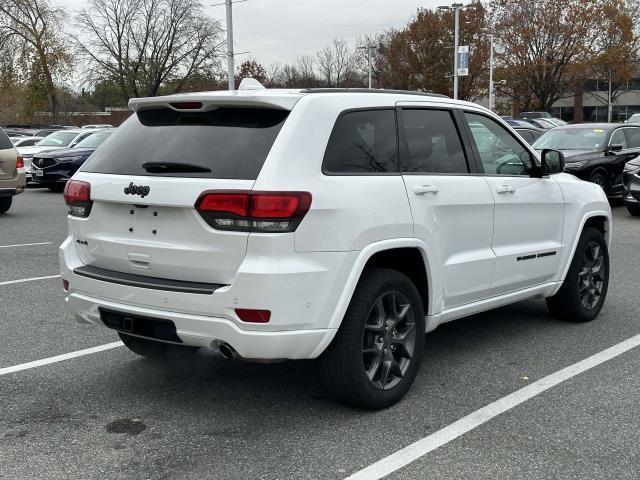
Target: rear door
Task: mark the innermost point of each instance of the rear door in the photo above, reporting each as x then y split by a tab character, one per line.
7	158
529	212
452	208
145	182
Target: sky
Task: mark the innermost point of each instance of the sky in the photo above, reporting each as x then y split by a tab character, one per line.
279	31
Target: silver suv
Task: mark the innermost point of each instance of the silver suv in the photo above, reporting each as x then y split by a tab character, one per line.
12	174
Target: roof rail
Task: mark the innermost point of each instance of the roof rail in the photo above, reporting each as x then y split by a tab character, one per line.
376	90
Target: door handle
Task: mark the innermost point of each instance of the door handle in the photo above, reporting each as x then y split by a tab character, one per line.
505	189
424	189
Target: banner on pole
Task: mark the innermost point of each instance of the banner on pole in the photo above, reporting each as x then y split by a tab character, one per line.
463	60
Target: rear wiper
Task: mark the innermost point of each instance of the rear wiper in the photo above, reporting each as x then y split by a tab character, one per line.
173	167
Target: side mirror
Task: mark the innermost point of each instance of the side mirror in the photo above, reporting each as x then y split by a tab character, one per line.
615	147
552	161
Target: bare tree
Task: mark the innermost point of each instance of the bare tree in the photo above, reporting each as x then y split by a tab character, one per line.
144	45
335	63
37	25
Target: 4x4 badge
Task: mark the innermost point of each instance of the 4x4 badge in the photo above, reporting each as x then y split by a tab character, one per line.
141	190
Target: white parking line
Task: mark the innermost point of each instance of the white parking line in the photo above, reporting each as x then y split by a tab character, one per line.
26	244
412	452
32	279
59	358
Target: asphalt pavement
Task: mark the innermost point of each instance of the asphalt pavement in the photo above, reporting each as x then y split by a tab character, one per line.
115	415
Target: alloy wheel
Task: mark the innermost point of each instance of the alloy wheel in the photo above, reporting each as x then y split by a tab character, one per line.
591	276
389	340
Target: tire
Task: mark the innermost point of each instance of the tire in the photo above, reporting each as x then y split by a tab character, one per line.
601	179
584	290
155	350
353	367
634	210
5	204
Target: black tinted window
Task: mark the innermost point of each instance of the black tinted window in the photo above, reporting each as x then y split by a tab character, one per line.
4	141
232	142
526	134
363	142
633	137
432	143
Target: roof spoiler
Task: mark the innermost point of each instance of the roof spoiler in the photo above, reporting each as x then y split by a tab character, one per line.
250	97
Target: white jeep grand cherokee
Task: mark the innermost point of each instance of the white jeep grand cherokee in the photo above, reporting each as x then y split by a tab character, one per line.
332	224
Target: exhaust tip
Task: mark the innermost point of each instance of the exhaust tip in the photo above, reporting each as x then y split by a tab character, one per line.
228	351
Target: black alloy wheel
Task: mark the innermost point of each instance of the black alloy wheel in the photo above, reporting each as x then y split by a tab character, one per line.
389	340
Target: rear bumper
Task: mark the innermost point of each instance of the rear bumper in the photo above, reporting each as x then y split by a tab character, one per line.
301	290
209	332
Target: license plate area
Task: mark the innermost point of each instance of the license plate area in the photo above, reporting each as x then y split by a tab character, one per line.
151	327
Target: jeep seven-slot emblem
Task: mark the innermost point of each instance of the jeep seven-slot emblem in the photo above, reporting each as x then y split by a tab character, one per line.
141	190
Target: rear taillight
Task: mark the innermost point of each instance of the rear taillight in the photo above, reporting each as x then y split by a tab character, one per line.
19	162
254	211
77	195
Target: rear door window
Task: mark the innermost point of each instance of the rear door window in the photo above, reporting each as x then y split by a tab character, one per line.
431	142
633	137
363	142
232	142
5	142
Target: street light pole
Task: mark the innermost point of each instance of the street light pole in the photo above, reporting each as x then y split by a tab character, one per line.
230	57
456	7
491	100
368	47
456	30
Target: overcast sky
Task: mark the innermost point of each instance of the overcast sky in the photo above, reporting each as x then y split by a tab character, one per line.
282	30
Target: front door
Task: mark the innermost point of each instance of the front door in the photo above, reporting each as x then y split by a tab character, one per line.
529	212
452	208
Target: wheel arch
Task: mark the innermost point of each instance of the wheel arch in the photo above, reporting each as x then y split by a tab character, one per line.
390	254
598	219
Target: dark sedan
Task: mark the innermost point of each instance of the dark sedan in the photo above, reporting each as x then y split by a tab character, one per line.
595	152
53	168
631	181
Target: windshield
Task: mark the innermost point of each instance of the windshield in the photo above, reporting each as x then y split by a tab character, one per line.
572	139
57	139
93	141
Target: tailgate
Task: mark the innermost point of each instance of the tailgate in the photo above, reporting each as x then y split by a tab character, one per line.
159	235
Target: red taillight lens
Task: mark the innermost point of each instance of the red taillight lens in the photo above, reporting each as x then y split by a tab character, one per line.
286	205
77	195
233	203
253	316
65	285
19	162
254	211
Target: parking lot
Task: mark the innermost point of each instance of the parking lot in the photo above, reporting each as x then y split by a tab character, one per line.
113	414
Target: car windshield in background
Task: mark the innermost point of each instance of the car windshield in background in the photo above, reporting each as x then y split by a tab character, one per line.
232	143
57	139
94	140
572	139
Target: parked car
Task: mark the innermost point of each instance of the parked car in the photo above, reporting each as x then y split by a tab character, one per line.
12	174
53	168
596	152
518	123
24	141
530	134
58	139
528	115
635	118
333	223
631	182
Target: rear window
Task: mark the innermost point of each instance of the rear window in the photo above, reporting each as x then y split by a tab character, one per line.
5	142
363	142
232	142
